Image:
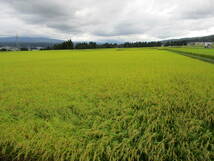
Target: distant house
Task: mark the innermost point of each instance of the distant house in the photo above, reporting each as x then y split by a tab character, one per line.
9	48
37	48
208	44
202	44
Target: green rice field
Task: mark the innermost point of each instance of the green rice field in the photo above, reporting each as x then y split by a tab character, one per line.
106	105
202	52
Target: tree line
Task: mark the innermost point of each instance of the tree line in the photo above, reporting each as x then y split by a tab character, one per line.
93	45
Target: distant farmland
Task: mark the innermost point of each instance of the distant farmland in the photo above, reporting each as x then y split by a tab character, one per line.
106	105
197	52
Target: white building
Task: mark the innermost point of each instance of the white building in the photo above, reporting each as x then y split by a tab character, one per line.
9	48
203	44
208	44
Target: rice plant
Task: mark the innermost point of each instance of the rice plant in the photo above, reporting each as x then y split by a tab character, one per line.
106	105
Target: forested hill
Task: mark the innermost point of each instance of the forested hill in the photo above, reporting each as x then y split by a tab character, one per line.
196	39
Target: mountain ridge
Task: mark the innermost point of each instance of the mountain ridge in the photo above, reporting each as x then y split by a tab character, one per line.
13	39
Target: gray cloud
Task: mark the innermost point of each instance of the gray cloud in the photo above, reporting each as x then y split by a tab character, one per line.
106	20
196	9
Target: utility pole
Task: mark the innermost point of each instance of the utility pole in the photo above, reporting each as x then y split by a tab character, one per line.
17	41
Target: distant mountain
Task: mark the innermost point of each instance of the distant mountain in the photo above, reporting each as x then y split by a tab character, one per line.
26	42
29	40
209	38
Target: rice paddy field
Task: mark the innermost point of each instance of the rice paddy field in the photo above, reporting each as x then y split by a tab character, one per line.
106	105
202	52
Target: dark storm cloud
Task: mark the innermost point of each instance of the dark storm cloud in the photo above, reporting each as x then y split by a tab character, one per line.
97	19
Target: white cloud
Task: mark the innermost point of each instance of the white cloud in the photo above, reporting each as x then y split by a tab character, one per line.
136	20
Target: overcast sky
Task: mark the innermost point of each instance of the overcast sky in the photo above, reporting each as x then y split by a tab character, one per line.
104	20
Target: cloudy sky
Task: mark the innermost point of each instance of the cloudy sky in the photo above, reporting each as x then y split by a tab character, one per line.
106	20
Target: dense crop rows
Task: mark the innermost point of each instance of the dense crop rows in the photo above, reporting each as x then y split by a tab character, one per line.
208	53
113	104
